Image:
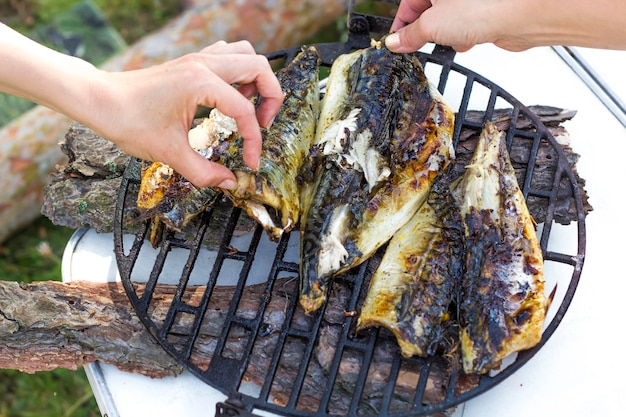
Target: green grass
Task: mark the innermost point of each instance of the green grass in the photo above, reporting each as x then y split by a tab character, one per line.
132	18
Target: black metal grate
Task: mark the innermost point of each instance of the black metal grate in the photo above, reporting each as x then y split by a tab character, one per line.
265	353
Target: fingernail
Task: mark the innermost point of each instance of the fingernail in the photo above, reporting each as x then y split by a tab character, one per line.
228	184
269	124
392	41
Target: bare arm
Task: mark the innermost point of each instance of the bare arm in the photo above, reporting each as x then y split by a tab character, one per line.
148	112
512	25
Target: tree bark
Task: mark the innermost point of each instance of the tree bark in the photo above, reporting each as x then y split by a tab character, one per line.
84	191
28	145
47	325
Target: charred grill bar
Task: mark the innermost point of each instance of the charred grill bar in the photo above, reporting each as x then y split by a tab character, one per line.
316	365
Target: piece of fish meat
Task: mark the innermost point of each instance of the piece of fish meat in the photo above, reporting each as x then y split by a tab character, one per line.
383	136
502	306
271	194
412	290
169	200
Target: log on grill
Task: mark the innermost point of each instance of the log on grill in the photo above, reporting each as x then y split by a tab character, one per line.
84	191
47	325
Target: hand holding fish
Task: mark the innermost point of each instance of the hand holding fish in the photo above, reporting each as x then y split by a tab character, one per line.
515	26
162	114
148	112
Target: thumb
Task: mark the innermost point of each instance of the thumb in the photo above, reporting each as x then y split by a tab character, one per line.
200	171
408	39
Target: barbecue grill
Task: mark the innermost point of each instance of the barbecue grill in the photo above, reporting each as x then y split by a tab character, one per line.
317	365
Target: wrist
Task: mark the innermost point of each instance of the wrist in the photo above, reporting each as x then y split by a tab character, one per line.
44	76
532	23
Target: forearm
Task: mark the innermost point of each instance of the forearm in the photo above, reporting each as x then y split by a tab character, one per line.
44	76
514	25
597	24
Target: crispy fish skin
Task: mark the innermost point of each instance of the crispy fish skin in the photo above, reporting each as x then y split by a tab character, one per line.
338	89
383	149
271	194
168	198
503	304
412	289
361	109
420	149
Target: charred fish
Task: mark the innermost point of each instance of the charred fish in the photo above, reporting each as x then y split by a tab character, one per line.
502	307
412	290
271	194
383	136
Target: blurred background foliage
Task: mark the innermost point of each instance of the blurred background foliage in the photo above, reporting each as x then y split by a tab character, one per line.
34	253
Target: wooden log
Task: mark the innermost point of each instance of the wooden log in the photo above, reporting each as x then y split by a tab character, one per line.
84	191
47	325
28	145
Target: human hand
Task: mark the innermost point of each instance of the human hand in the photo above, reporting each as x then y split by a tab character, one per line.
460	24
148	112
511	25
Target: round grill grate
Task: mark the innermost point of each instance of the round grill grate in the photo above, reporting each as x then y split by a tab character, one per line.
232	317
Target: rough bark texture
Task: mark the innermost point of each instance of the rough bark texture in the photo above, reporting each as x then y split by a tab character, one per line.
50	325
545	164
47	325
84	191
28	145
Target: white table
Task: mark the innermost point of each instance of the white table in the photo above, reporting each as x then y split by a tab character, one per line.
579	372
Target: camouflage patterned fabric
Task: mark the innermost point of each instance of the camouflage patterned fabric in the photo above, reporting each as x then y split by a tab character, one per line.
83	32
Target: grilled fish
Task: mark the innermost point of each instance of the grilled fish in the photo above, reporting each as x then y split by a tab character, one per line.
412	289
502	307
384	135
270	194
169	199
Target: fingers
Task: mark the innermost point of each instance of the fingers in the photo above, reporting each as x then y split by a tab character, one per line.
407	12
215	71
255	75
253	72
200	171
223	47
440	24
268	107
408	39
230	102
241	64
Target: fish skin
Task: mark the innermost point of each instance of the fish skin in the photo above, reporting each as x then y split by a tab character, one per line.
421	148
339	86
412	290
169	200
338	188
379	156
503	304
271	194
